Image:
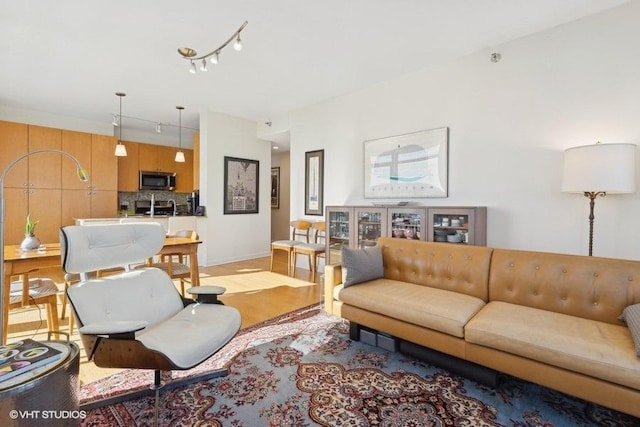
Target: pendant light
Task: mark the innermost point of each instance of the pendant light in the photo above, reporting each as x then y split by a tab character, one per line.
180	155
121	150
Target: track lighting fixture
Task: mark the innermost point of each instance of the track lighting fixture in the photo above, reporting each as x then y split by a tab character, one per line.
121	150
116	120
191	55
158	127
179	154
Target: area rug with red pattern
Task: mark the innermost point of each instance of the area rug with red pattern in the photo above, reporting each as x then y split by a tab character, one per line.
302	369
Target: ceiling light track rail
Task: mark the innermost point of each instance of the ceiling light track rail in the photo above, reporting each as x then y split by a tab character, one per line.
191	55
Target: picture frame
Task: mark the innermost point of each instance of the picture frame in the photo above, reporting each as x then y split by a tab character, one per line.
314	183
275	187
412	165
241	186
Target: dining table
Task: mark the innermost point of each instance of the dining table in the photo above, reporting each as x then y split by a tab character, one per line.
174	245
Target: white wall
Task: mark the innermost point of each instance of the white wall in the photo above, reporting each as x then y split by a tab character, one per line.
509	125
228	238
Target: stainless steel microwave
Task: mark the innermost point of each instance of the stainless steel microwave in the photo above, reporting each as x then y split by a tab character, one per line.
165	181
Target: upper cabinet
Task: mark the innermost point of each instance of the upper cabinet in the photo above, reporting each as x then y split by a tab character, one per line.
157	158
14	142
128	170
45	169
184	173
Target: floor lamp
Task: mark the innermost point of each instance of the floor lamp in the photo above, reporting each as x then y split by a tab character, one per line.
597	170
82	176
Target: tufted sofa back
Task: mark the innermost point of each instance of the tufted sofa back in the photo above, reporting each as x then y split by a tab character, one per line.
587	287
452	267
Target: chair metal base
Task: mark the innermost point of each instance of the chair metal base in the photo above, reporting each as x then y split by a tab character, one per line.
151	391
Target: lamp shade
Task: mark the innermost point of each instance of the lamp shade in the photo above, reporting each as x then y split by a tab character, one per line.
599	167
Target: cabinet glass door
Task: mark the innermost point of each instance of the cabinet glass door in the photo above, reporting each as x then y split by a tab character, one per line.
407	223
452	225
371	225
338	232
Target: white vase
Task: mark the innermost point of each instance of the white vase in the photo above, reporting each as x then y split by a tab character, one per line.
30	243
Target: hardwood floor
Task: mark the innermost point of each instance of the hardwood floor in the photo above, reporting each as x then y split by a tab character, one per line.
255	306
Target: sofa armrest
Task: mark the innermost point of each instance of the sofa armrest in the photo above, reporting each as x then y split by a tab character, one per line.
332	278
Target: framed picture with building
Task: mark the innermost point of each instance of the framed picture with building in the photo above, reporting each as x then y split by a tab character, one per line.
241	186
314	183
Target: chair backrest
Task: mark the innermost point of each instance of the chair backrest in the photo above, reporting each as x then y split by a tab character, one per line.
321	229
186	233
99	247
145	294
300	228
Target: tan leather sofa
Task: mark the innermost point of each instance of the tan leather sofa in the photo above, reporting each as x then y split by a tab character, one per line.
551	319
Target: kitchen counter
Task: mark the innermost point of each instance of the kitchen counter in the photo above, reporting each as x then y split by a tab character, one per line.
170	223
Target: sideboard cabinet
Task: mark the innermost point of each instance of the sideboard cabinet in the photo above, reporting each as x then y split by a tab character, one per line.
361	226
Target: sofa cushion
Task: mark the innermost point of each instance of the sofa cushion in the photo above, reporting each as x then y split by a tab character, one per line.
432	308
631	315
360	265
590	347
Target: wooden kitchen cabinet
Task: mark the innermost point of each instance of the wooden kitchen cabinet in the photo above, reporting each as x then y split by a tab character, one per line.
128	170
156	158
16	210
14	142
45	169
88	204
184	173
98	197
45	206
104	165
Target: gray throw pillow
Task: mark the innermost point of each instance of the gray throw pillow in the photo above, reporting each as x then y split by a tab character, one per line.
631	315
361	265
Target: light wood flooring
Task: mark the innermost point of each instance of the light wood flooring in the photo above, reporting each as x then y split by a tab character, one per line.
255	306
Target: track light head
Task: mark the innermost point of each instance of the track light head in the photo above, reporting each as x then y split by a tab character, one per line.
237	45
192	68
214	57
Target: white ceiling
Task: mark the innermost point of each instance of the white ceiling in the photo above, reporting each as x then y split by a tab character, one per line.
70	57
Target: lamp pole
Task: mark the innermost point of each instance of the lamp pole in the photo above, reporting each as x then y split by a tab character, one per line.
82	176
591	195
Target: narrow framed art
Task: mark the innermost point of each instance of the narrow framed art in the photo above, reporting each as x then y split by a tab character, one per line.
407	166
275	187
314	183
241	185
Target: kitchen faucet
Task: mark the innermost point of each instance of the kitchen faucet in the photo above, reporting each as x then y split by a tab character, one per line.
174	206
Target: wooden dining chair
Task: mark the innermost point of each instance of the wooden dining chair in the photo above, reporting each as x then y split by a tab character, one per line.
299	230
314	250
32	291
176	265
